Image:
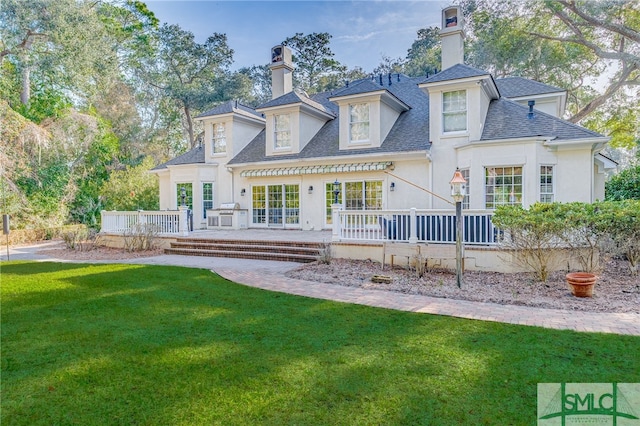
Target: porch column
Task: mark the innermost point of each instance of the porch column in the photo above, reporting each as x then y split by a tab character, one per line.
413	227
335	221
183	229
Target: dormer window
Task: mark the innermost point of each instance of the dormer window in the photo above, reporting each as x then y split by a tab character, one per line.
282	132
359	123
454	111
219	140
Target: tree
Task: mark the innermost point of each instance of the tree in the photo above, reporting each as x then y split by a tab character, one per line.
133	188
424	55
56	44
565	43
313	59
625	185
260	77
187	72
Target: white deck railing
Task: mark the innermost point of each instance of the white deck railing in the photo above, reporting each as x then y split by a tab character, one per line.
166	222
413	225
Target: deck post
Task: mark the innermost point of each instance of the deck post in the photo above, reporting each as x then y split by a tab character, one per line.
413	226
183	229
335	221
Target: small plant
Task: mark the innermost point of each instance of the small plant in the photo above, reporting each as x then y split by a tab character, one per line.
80	238
325	255
420	264
140	237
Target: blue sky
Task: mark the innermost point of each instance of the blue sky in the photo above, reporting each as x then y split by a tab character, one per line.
363	31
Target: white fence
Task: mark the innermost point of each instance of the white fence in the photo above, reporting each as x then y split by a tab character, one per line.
413	225
167	222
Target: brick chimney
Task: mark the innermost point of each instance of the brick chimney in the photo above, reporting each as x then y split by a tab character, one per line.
281	71
452	36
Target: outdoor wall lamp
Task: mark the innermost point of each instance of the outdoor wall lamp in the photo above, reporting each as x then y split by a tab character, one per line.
336	191
242	192
310	189
392	187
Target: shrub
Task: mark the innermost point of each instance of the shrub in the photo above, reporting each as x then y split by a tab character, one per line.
531	235
621	221
585	229
140	237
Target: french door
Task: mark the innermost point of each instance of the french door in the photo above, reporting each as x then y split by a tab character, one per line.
276	206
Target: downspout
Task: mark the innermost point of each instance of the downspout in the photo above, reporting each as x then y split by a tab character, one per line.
430	181
233	191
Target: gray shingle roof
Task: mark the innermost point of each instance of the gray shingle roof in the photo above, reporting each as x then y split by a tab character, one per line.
515	87
409	133
231	107
455	72
365	85
194	156
294	98
507	119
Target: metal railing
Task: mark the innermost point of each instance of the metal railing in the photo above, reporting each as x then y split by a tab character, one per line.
413	225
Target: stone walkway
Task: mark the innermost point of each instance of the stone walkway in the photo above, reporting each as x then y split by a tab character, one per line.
269	275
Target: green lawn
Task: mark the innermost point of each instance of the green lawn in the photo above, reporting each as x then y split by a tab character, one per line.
130	344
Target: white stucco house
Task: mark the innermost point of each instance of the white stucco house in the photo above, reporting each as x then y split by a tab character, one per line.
384	138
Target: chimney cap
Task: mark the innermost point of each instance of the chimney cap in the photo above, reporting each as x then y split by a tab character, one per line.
452	19
281	55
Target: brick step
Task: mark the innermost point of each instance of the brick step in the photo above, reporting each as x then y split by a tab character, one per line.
213	246
279	256
253	242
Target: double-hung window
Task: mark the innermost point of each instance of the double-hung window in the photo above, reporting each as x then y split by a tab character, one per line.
207	197
282	132
358	123
219	140
503	185
454	111
546	184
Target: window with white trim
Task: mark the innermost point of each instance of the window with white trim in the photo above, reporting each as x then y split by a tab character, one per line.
546	184
282	131
465	200
454	111
503	185
358	123
219	139
358	195
207	197
188	192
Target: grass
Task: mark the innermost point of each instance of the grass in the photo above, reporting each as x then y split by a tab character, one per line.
151	345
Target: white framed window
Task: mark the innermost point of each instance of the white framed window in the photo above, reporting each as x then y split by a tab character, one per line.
503	185
188	192
219	139
465	200
546	184
358	123
358	195
207	197
282	131
454	111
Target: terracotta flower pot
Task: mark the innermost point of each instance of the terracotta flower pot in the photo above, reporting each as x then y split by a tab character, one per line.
581	283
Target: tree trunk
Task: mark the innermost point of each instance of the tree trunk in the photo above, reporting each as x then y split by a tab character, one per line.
187	114
25	95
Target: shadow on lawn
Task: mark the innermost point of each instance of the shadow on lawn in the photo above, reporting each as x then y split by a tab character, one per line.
139	344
